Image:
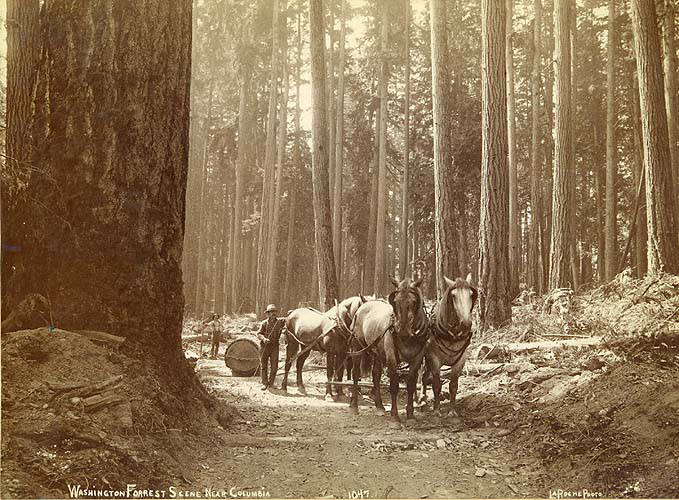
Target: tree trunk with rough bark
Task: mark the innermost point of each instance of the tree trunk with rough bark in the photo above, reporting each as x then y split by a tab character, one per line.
495	304
272	265
533	276
292	189
611	151
660	211
264	238
445	239
546	220
514	229
245	156
23	59
381	207
201	224
369	267
106	238
559	272
671	98
327	277
339	152
405	178
641	233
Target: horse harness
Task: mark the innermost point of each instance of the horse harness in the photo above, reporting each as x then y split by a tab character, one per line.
442	334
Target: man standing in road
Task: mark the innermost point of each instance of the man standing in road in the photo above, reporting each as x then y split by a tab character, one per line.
215	333
270	333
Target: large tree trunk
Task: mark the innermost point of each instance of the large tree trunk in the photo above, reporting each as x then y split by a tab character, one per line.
559	272
660	211
296	171
201	224
641	233
339	152
23	57
514	229
330	101
533	276
274	220
600	190
575	262
261	297
245	156
403	244
546	220
381	207
369	263
321	198
445	239
106	237
495	303
671	91
611	151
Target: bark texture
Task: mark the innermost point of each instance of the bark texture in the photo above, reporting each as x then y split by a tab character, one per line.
559	272
403	244
495	303
514	229
339	152
534	275
319	157
106	236
660	211
445	237
381	207
611	151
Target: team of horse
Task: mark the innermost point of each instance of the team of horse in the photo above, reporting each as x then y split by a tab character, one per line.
362	333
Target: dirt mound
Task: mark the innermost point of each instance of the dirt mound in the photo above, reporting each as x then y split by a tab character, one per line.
78	413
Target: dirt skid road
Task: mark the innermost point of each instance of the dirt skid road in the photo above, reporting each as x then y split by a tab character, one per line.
290	445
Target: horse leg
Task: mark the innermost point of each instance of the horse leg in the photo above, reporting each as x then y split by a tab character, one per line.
377	379
300	365
353	406
392	369
413	373
452	388
291	348
330	372
339	372
435	368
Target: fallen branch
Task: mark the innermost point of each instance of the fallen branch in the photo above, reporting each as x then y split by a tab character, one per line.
53	386
99	401
101	336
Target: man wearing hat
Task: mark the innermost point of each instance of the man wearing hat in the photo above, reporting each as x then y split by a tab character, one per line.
270	332
215	331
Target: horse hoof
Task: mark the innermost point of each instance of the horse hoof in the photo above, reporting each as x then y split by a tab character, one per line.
329	398
301	390
395	422
353	410
411	417
380	412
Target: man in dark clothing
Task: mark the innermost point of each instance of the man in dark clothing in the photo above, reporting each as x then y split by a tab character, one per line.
270	333
215	333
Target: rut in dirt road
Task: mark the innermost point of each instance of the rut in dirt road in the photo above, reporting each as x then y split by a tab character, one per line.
290	445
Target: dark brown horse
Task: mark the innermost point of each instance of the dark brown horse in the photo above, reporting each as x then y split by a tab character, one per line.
391	332
307	330
450	331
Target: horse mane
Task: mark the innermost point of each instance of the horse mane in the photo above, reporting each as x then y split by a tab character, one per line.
445	312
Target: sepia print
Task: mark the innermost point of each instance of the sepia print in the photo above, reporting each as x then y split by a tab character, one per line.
339	249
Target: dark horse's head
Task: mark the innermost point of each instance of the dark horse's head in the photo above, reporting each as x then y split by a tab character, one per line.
457	304
408	303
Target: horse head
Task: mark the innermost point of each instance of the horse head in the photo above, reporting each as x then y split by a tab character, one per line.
458	302
408	305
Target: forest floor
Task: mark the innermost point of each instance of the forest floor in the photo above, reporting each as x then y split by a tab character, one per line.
594	416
